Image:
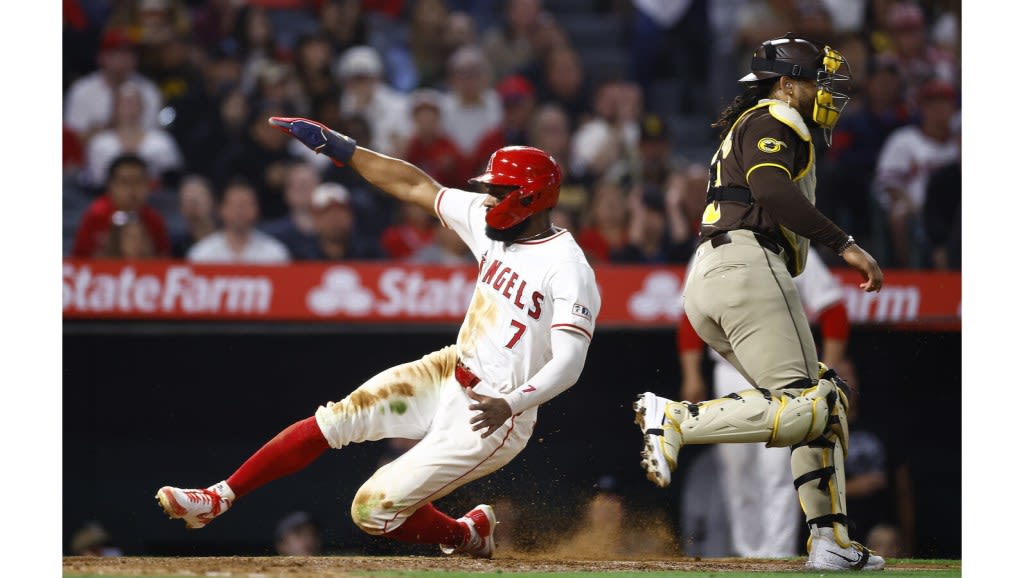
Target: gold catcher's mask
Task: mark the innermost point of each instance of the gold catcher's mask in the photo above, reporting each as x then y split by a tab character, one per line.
799	58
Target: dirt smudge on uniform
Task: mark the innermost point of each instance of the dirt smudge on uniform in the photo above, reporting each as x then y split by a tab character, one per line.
403	389
482	313
359	400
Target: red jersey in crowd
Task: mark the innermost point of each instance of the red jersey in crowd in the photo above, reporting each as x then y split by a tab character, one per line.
96	222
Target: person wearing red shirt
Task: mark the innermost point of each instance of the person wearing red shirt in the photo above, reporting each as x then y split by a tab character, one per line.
430	147
126	190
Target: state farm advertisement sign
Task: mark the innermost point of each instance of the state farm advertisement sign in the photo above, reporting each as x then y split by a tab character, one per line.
632	296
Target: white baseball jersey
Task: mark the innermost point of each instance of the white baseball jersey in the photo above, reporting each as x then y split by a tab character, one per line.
523	291
907	159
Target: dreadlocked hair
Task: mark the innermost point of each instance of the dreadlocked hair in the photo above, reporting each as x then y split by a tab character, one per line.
751	95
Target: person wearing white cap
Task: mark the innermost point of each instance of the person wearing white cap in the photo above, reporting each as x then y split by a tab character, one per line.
361	72
335	227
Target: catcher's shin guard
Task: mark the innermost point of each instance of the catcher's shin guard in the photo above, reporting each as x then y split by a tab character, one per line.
820	479
800	414
818	466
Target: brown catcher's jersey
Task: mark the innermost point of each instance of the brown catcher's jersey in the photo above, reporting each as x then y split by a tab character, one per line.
769	134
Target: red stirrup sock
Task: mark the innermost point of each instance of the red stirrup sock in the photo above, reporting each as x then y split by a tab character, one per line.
429	526
290	451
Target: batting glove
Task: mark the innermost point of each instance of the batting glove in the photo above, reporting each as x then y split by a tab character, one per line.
317	137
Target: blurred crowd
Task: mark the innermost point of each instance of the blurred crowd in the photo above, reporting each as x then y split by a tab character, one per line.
167	152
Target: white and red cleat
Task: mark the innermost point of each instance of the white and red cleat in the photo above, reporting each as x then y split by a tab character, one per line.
481	522
197	507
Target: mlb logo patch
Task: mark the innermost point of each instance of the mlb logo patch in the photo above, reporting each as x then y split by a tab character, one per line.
582	311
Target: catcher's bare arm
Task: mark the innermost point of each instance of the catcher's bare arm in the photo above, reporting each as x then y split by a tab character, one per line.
395	177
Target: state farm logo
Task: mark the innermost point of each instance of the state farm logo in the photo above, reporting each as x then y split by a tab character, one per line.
893	303
399	293
340	291
659	297
178	289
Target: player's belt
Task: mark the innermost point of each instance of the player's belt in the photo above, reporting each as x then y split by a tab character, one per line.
724	239
464	376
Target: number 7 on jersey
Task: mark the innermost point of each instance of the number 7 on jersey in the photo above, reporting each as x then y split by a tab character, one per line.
520	329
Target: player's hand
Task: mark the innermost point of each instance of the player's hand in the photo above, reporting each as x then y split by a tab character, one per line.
862	261
317	137
494	411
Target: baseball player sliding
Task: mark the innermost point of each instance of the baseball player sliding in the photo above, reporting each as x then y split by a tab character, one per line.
763	515
741	298
472	406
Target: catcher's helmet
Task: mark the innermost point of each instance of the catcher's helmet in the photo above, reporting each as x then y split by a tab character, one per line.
799	58
532	170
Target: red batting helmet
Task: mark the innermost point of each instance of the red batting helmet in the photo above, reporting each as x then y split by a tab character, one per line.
532	170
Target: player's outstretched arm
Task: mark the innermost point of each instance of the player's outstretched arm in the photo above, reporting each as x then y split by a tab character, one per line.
395	177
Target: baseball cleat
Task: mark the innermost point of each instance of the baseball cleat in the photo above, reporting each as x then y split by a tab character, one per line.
197	507
826	554
662	439
481	522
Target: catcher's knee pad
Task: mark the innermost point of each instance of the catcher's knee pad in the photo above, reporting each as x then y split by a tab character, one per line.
799	414
820	480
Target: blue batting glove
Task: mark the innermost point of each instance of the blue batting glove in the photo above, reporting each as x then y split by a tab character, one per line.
317	137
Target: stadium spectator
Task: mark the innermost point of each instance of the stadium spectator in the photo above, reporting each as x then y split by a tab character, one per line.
507	44
605	146
314	57
518	105
668	41
213	23
127	188
563	82
653	235
414	229
253	37
296	229
848	166
89	103
908	158
430	147
126	239
298	534
128	135
655	150
335	227
367	94
344	23
606	223
419	62
195	204
446	248
459	30
550	132
261	157
222	128
942	216
919	59
238	240
470	108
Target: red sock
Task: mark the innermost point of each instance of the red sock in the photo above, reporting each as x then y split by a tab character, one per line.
429	526
290	451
